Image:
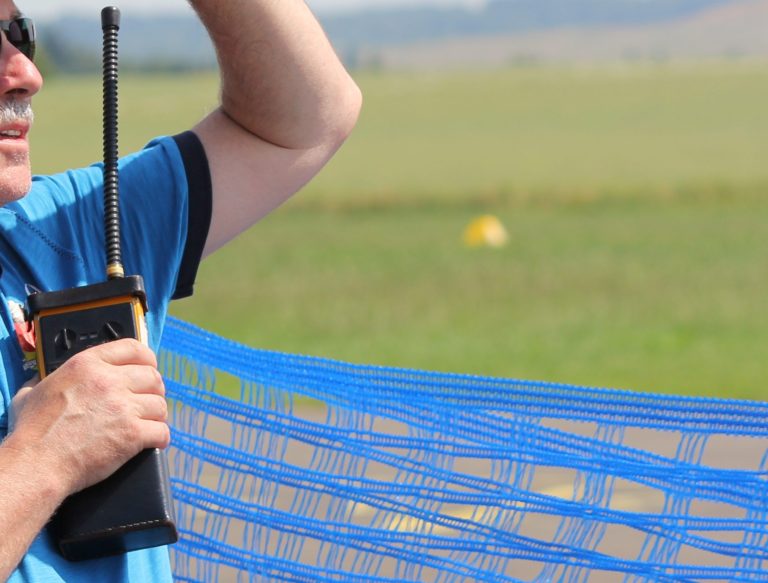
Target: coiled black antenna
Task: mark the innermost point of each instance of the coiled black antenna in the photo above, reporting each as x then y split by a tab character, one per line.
110	25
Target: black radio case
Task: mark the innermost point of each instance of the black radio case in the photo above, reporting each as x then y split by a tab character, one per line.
133	508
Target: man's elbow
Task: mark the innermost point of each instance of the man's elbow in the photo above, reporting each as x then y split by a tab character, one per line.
345	111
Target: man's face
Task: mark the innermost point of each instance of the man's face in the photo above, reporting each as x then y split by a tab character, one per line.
19	81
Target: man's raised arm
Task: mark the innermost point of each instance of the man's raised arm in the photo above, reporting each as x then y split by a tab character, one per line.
287	104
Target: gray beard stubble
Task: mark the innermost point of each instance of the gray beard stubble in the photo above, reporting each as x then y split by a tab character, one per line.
13	111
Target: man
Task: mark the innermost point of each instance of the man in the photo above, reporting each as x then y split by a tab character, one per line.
286	106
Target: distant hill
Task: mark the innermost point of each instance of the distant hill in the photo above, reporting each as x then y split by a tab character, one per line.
167	42
494	32
387	27
734	29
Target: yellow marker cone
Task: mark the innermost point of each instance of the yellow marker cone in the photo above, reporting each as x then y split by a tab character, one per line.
486	231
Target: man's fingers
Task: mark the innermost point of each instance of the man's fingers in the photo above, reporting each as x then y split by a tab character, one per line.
30	384
18	402
155	435
125	351
23	392
142	380
151	408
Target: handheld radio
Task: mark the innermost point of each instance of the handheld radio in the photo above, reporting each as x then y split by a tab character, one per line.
132	509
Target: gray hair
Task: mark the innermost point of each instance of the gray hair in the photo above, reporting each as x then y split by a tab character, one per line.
12	110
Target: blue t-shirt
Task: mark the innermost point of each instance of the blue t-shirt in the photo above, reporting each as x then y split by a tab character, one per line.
53	239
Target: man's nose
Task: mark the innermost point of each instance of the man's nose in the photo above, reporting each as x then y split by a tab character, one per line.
18	75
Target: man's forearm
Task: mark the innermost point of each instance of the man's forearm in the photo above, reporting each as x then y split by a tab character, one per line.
281	79
73	429
29	495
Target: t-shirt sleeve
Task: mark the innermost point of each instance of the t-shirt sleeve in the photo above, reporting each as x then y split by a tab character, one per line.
166	213
154	209
165	207
200	208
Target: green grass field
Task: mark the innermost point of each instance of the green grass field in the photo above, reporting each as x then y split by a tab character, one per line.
634	197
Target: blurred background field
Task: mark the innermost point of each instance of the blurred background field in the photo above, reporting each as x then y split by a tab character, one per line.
634	196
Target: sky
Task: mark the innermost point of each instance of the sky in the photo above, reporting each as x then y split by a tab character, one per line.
51	8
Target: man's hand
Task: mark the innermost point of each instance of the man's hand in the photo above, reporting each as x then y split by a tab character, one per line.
89	417
73	429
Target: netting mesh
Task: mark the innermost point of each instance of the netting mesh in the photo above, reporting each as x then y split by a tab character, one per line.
326	471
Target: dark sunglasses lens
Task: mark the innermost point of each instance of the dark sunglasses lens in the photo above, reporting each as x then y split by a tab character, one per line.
21	34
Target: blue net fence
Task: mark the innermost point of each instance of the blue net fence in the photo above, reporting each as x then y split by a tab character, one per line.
289	468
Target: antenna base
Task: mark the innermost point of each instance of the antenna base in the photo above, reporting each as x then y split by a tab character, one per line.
115	271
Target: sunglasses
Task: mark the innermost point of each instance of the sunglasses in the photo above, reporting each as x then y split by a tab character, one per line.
20	32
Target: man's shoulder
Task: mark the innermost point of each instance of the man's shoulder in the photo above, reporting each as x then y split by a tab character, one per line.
49	191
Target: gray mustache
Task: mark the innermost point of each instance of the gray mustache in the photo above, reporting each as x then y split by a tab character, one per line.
13	110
